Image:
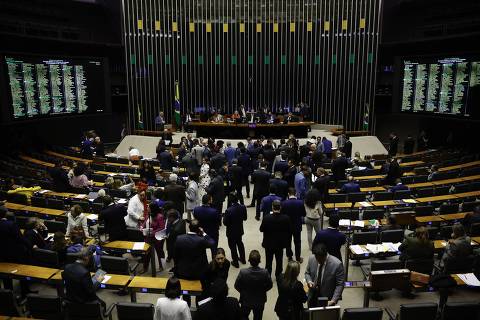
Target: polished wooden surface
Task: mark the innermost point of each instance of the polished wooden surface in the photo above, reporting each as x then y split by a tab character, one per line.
16	270
453	216
437	198
247	125
342	205
14	206
139	283
123	245
427	219
460	166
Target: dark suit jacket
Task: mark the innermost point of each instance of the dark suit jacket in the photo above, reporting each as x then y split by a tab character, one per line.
393	149
333	240
78	283
281	186
175	230
34	239
60	179
166	160
113	218
321	184
14	246
228	310
191	257
338	168
236	176
261	182
266	203
209	219
276	230
350	187
394	172
398	187
412	248
408	146
295	210
175	193
252	284
245	162
289	176
347	149
290	298
216	190
233	220
282	166
217	161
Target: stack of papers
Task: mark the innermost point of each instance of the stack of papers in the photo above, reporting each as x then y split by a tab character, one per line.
81	196
392	247
409	200
366	204
43	191
138	246
344	222
92	217
356	249
359	223
470	279
377	248
122	201
106	278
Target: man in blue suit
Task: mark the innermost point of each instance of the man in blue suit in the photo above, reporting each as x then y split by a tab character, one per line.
280	185
295	210
281	164
331	237
229	153
245	162
209	219
301	184
399	186
327	147
266	204
350	186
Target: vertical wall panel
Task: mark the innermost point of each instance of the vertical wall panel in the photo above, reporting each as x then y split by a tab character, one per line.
225	53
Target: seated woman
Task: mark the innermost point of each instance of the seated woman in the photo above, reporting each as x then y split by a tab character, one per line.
118	184
172	306
77	244
76	219
147	172
79	179
416	246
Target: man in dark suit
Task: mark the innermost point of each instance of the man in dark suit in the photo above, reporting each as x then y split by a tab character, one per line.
322	183
269	156
281	164
261	184
35	234
175	227
394	172
331	238
393	148
266	203
167	136
245	162
399	186
80	287
217	190
276	230
233	221
165	158
217	161
280	185
408	145
339	166
325	276
289	175
235	173
190	257
350	186
209	219
347	148
295	210
15	247
113	217
253	284
176	193
59	177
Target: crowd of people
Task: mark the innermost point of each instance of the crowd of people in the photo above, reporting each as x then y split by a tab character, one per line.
183	214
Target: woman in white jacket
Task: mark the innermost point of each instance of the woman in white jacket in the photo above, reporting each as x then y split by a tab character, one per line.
314	210
76	219
204	178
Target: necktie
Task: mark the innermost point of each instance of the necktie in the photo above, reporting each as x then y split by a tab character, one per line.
319	278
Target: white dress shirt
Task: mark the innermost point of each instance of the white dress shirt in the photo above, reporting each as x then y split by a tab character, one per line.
135	211
172	309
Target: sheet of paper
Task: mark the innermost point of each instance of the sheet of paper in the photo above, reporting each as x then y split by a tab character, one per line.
106	278
92	217
359	223
356	249
365	204
344	222
470	279
409	201
160	235
138	245
376	248
81	196
43	191
122	201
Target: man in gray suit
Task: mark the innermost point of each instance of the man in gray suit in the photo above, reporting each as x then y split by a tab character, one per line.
324	276
253	284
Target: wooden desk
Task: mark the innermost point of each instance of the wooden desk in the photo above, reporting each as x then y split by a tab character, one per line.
14	206
412	163
437	198
441	244
117	281
26	272
158	285
342	205
446	181
468	194
460	166
470	178
420	185
124	245
385	203
369	189
453	216
476	239
428	220
64	156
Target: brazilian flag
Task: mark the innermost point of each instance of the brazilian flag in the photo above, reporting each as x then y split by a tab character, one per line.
176	106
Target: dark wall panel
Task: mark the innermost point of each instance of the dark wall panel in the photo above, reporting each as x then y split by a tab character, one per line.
224	53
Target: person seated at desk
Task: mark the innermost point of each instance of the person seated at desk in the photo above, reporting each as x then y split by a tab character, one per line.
331	238
289	118
80	179
118	184
391	224
77	220
77	240
399	186
80	287
458	247
433	173
350	186
59	245
133	153
271	118
217	118
235	115
15	247
471	218
416	245
35	234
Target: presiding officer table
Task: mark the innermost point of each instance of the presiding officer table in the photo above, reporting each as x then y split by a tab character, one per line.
242	130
